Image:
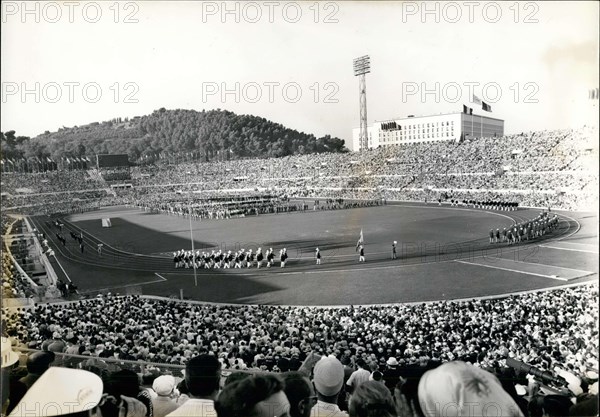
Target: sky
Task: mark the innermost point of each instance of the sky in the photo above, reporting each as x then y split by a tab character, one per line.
73	63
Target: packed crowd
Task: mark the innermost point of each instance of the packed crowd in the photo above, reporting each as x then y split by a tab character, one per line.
401	347
49	182
544	329
557	168
14	284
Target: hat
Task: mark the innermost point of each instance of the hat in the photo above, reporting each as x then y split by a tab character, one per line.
164	385
8	356
62	391
392	361
328	376
469	389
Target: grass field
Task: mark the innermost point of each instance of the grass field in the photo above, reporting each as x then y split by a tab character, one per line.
443	254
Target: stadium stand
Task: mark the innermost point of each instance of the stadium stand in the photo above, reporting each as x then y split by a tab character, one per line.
553	331
128	342
538	169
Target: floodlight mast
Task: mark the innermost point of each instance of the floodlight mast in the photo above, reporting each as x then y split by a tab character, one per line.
362	66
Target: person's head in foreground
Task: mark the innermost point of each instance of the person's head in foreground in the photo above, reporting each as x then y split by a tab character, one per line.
328	378
255	396
300	394
372	399
203	375
460	389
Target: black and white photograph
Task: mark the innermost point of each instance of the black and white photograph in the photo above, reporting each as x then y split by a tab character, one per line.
299	208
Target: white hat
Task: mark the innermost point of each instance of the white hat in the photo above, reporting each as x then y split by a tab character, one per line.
9	357
60	391
164	385
328	375
392	361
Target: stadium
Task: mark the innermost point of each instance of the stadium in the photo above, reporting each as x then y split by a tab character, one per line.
106	230
262	246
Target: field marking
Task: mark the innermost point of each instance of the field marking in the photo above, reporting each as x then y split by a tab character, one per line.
456	208
575	243
155	281
539	264
278	268
116	250
514	270
569	249
160	276
576	230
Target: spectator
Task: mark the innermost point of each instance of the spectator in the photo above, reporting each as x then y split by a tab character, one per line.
391	375
37	364
163	404
127	383
328	381
359	376
549	406
376	376
372	399
9	359
585	407
300	394
236	376
256	396
466	390
202	378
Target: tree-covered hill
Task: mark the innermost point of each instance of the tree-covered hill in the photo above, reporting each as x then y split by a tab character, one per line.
205	135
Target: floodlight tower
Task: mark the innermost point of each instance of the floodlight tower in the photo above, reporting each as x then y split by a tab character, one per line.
362	66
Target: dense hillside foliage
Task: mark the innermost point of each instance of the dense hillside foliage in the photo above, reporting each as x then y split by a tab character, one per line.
206	135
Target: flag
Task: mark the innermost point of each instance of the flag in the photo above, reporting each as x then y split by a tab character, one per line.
360	239
465	109
476	99
485	106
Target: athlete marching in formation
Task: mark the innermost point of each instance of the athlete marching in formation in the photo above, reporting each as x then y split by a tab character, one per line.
318	256
394	256
259	258
283	257
361	257
270	258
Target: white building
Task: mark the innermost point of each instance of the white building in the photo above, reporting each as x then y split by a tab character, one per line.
450	126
